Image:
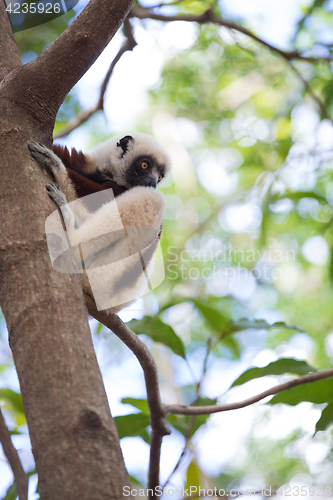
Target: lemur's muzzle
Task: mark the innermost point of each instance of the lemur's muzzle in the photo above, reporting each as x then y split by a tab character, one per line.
148	182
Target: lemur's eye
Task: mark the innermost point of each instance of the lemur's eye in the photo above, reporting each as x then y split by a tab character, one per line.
144	165
160	178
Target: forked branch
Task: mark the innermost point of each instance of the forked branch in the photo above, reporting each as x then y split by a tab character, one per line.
9	54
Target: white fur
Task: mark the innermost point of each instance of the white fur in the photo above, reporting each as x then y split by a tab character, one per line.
108	156
112	239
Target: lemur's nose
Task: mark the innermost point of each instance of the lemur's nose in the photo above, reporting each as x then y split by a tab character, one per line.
149	182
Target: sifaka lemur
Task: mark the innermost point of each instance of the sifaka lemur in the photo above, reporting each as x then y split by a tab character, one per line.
117	229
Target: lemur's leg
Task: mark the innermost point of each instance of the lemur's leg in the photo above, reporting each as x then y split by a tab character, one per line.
124	226
61	201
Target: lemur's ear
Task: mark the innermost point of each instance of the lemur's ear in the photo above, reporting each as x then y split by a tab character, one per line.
123	143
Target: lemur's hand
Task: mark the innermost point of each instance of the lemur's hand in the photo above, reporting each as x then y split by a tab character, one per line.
45	157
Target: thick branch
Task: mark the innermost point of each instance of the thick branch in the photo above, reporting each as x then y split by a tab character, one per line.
20	477
193	417
157	418
209	16
83	116
207	410
9	54
144	357
48	79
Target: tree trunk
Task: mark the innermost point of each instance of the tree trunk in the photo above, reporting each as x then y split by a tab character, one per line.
73	436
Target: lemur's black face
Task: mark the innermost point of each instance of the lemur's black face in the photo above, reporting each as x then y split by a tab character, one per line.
144	171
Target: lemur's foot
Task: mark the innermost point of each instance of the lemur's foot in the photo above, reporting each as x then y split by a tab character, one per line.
44	156
56	194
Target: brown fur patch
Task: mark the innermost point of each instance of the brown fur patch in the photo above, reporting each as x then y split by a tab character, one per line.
77	164
76	160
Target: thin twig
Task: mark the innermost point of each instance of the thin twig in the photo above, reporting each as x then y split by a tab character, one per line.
154	463
14	461
158	423
310	91
83	116
210	17
208	410
193	417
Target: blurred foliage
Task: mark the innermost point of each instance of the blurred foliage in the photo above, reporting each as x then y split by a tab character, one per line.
247	242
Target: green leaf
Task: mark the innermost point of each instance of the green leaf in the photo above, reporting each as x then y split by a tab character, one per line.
232	344
158	331
135	481
193	476
132	425
260	324
11	493
326	418
99	328
15	432
279	367
179	422
140	404
215	318
221	325
317	392
13	398
14	403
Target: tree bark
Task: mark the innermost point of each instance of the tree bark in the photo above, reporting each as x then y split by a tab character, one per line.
73	437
